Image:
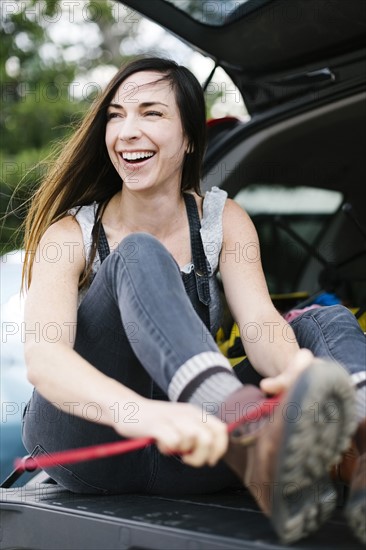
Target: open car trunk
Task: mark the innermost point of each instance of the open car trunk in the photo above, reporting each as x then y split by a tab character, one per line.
313	149
322	246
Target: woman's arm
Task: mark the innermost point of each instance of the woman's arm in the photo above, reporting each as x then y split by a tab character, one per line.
268	340
63	377
57	371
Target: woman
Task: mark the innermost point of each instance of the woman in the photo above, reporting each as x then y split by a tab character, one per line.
123	318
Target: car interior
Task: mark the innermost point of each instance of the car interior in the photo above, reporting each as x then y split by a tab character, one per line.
320	150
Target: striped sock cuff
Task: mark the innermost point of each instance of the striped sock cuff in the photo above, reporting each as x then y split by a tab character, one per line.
215	389
195	370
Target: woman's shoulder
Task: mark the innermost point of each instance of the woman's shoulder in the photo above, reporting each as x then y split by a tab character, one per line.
85	213
66	226
62	234
237	223
62	243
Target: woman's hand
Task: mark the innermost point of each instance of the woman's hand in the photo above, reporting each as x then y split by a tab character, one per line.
282	382
179	428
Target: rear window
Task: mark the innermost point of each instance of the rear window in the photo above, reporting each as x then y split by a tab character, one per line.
217	13
290	223
270	199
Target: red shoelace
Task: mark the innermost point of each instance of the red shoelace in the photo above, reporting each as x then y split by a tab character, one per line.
104	450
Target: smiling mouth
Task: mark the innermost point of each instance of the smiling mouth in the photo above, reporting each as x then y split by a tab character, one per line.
137	157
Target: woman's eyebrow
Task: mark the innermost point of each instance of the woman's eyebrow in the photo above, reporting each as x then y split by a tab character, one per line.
115	105
151	103
143	105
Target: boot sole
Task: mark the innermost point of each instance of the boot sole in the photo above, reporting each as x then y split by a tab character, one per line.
319	422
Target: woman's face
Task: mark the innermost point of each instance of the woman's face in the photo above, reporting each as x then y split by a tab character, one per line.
144	134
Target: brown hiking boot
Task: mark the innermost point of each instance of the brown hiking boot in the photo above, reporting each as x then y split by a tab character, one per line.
356	504
284	458
343	471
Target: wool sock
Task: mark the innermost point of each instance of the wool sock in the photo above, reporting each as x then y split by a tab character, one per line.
215	389
206	377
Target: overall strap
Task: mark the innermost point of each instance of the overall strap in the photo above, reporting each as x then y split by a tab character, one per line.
103	246
99	234
198	253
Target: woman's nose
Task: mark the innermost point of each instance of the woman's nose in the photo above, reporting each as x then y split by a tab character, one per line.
129	129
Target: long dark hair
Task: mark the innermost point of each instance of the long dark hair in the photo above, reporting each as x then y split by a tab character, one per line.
84	173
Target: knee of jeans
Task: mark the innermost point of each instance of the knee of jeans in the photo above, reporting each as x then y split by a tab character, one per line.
336	312
134	247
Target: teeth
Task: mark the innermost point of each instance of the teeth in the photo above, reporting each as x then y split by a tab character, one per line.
136	156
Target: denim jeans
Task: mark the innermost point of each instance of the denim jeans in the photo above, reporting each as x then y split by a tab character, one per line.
333	333
137	325
330	332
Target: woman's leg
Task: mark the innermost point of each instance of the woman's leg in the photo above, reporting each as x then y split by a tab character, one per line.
137	325
333	332
168	338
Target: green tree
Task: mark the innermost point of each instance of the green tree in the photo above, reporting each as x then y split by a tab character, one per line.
48	52
44	94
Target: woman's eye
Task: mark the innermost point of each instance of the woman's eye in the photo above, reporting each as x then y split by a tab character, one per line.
153	113
112	115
